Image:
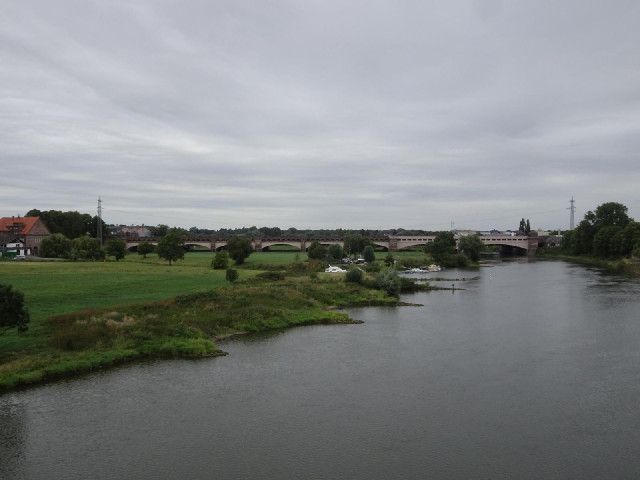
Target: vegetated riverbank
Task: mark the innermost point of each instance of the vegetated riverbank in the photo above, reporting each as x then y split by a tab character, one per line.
90	315
626	266
183	326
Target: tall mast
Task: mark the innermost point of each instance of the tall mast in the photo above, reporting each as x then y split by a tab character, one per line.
572	208
100	220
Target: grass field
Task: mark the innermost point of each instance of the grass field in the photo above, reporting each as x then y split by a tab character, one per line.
53	288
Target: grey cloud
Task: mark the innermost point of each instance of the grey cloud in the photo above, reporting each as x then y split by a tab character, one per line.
367	113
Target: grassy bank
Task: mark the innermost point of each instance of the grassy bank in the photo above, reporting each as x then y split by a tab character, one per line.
90	315
620	265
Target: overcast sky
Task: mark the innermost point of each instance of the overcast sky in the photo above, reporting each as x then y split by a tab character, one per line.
320	113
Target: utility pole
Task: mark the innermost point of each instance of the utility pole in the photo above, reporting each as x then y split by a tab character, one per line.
100	220
572	216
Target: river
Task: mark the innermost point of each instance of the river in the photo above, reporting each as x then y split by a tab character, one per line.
528	370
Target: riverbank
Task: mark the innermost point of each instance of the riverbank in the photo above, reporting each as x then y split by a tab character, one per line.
625	266
87	316
187	325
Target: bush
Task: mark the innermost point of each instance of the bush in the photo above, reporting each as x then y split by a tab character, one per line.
232	275
389	281
354	275
12	311
55	246
374	267
389	260
116	248
220	261
86	248
271	275
462	260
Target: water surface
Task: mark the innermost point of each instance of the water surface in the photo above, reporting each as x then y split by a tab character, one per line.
527	370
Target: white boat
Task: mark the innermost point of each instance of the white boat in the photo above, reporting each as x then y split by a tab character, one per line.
331	269
416	270
434	268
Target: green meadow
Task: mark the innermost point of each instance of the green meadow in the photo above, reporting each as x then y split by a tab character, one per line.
87	315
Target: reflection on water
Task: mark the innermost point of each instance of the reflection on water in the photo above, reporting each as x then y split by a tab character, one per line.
529	370
13	435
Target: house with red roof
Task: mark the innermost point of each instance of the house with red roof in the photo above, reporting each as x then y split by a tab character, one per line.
23	234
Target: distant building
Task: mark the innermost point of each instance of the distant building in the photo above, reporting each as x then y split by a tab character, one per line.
22	234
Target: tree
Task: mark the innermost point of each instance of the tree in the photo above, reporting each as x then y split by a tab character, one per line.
145	248
582	241
239	248
159	230
70	224
525	226
170	247
335	252
611	214
316	250
631	237
220	261
86	248
354	244
369	254
12	311
471	246
231	275
607	242
116	248
443	246
55	246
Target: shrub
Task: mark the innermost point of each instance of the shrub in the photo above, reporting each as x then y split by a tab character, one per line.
277	275
12	311
374	267
55	246
462	260
220	261
232	275
389	260
354	275
389	281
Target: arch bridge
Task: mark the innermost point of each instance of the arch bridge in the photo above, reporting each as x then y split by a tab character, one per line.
388	243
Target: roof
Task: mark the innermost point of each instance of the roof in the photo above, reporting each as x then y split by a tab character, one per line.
28	222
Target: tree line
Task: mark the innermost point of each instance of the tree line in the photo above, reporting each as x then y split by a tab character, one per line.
71	224
607	232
